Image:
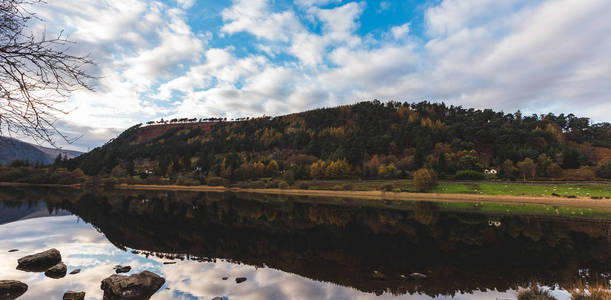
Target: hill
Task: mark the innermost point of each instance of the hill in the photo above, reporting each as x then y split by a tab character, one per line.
13	149
364	140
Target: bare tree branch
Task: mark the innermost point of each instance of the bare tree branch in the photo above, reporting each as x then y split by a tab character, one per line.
36	75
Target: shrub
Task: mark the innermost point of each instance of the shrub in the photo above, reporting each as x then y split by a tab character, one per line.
243	184
604	171
554	170
283	185
425	180
289	176
348	187
257	184
584	173
469	175
109	182
186	180
214	181
387	187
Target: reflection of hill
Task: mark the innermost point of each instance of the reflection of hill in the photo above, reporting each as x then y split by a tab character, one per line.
10	214
346	244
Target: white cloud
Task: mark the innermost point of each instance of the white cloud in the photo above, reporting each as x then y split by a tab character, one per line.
401	31
535	56
185	3
339	23
256	17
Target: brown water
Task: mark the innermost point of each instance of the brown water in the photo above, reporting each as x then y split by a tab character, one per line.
295	247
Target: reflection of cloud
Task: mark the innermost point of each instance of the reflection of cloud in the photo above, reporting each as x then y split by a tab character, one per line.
85	248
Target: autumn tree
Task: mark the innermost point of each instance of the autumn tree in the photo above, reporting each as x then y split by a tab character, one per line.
317	169
36	74
425	179
528	168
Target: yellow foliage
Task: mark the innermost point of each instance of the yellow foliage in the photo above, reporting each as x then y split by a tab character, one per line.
317	169
403	112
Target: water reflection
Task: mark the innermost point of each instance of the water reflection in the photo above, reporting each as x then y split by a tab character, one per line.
300	248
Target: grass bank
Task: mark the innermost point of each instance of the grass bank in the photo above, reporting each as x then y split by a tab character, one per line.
559	189
602	205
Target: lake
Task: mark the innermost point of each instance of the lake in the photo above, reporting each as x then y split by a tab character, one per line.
297	247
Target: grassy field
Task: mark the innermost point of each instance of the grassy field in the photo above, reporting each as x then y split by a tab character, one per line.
482	188
526	209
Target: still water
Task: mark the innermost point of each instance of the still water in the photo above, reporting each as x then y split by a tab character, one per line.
295	247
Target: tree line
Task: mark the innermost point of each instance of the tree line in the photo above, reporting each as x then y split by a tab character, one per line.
366	140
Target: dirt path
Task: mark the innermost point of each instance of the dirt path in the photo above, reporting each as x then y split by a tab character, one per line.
581	202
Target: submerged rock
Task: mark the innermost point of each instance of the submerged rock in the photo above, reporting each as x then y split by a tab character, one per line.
57	271
418	275
13	250
39	262
138	286
70	295
378	275
122	269
240	279
11	289
75	271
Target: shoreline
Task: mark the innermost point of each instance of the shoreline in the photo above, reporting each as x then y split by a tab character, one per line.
578	202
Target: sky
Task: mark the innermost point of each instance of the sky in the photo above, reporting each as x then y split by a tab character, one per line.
211	58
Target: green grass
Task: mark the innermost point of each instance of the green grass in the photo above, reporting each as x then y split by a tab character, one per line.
534	189
481	187
526	209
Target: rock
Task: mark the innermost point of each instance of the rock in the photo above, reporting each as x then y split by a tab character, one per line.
240	280
39	262
125	269
57	271
225	278
13	250
12	289
70	295
217	298
138	286
75	271
418	275
378	275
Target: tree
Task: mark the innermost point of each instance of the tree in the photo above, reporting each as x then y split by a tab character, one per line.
554	170
527	168
509	170
317	169
36	74
425	179
337	169
604	171
543	163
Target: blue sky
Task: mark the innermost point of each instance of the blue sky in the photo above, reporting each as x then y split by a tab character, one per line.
188	58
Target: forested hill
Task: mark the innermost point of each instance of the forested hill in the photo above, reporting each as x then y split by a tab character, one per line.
364	140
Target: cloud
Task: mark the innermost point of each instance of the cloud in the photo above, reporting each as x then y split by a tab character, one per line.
256	17
401	31
261	57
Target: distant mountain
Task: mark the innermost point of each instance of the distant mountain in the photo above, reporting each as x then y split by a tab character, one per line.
13	149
